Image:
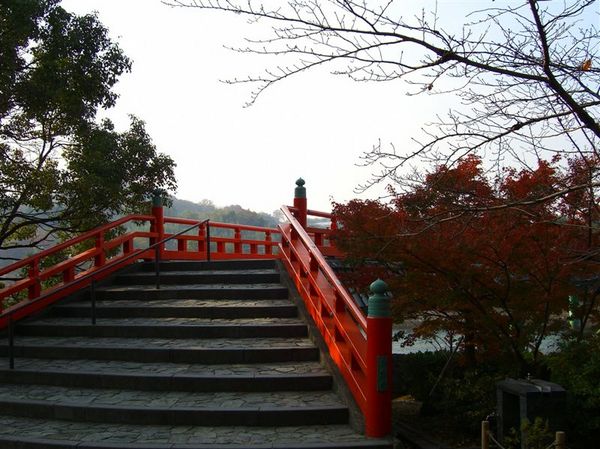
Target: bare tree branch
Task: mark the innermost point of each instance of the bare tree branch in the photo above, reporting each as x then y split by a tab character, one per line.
526	75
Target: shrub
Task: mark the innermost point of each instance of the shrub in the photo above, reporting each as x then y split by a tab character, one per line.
467	397
463	397
538	435
415	374
576	367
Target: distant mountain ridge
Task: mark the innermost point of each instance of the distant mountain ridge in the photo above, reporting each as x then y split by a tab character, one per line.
235	214
229	214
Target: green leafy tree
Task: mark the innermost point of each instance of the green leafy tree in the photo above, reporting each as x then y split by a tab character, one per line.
60	171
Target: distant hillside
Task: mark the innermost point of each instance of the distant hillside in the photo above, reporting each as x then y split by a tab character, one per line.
182	208
228	214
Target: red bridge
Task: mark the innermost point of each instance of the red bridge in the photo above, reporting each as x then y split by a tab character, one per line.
161	261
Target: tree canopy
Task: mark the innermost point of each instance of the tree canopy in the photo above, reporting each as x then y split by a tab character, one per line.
60	170
492	219
499	277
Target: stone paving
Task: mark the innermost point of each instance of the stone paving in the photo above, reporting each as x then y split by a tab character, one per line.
175	303
153	405
169	399
171	321
207	272
129	434
152	287
163	343
174	369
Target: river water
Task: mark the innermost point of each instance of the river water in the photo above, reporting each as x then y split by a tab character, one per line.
549	344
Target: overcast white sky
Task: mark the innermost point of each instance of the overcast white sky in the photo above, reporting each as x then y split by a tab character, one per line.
313	126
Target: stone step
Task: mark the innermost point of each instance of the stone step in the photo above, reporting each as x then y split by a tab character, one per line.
165	328
183	265
32	433
172	407
194	291
180	350
216	357
180	308
171	277
85	373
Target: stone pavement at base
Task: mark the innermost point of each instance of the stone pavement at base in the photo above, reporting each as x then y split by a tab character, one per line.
192	435
170	369
162	343
153	400
216	358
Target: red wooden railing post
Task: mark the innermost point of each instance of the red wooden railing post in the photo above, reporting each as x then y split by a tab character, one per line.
300	202
159	215
201	239
237	245
69	275
268	239
127	246
34	274
318	239
333	226
378	418
100	257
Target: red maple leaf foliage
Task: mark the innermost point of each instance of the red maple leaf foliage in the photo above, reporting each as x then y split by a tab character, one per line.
493	260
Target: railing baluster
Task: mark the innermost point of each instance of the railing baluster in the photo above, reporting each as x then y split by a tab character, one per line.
127	247
268	248
318	239
34	274
208	240
100	258
237	245
313	263
68	275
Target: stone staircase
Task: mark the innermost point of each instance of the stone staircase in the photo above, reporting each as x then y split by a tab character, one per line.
217	357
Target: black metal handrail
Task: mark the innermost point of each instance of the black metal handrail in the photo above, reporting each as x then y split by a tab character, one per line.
155	246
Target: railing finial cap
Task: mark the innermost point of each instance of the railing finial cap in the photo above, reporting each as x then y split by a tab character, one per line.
378	287
157	197
379	302
300	190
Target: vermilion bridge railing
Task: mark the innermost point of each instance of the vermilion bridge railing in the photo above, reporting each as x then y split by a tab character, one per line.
336	315
360	346
37	276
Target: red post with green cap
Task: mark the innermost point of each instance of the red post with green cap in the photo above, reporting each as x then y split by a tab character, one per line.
300	202
378	419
